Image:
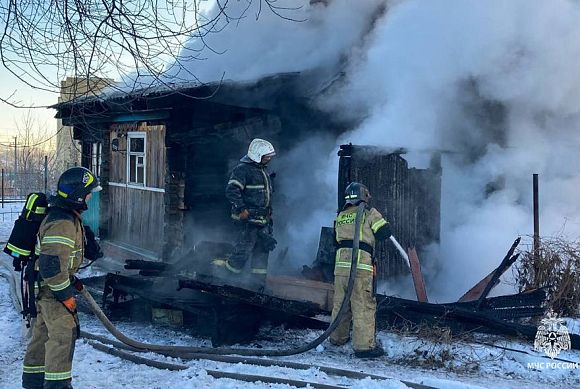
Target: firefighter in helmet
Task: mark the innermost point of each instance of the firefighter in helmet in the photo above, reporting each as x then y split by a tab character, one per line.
362	301
249	190
60	249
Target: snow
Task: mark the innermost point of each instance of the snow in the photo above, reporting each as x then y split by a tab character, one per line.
462	363
573	325
8	214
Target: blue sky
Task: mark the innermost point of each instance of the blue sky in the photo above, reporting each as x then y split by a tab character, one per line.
26	96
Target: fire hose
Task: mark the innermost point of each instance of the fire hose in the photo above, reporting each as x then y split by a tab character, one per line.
239	351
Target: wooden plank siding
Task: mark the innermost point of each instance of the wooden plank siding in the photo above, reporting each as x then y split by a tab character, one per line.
155	155
136	214
118	167
409	198
136	218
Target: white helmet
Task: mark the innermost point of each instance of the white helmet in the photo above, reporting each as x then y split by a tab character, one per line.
260	148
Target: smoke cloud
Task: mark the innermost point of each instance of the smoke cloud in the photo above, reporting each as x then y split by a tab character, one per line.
493	85
250	40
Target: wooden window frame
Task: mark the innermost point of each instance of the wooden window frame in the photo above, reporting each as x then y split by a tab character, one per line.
96	158
137	135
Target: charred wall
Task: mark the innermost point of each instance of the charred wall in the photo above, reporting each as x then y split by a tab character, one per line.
408	198
206	143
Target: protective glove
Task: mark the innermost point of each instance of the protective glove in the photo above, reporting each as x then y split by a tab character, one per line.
17	264
70	304
244	214
78	285
92	249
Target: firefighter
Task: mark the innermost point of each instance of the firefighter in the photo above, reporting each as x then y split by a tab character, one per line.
249	190
59	247
363	305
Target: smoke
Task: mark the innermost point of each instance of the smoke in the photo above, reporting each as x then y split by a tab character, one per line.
495	84
305	198
250	40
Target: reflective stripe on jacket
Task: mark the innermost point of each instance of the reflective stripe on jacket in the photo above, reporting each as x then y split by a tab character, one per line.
249	187
60	250
372	221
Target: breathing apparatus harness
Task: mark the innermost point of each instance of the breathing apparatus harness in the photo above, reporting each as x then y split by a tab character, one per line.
21	246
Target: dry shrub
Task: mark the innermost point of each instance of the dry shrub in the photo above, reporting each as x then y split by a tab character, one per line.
555	268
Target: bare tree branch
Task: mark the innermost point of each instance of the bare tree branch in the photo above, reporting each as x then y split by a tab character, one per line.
45	41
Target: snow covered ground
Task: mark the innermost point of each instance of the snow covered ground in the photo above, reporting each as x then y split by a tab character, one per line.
8	215
442	365
458	364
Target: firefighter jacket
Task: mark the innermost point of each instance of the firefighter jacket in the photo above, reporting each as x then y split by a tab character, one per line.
59	246
373	227
250	187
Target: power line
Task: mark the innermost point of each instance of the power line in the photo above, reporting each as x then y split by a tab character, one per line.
37	144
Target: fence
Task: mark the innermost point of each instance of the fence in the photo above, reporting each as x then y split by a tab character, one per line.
15	187
8	214
10	211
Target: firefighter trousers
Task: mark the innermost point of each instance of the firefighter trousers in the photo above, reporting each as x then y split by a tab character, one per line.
49	355
361	311
250	243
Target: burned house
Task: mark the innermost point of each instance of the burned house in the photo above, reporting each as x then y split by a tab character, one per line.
164	156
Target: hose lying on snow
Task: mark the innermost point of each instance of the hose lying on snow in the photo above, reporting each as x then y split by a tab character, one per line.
213	373
250	361
246	352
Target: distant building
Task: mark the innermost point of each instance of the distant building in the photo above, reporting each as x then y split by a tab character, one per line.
68	150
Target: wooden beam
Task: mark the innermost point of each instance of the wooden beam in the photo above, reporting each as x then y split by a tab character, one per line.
418	280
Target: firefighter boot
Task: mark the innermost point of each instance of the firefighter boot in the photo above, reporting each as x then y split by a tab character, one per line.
223	269
32	380
375	352
60	384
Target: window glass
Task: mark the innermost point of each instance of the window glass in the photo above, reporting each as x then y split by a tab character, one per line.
132	169
137	145
136	159
140	174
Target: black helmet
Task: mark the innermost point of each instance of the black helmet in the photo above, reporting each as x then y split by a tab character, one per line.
356	193
74	185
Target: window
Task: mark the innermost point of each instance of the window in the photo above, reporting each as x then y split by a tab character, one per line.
96	159
136	158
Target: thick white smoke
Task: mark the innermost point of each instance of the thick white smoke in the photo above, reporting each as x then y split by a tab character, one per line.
423	71
304	37
250	41
493	84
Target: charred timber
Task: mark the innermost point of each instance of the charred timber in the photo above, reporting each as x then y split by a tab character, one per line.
140	264
245	296
510	307
508	260
458	316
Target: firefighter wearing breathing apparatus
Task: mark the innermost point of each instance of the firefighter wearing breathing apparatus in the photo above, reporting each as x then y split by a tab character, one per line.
249	190
363	304
59	247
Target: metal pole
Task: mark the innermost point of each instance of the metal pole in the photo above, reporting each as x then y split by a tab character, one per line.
14	177
536	218
2	198
15	159
45	174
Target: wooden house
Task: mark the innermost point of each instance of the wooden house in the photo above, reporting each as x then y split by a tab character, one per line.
164	155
